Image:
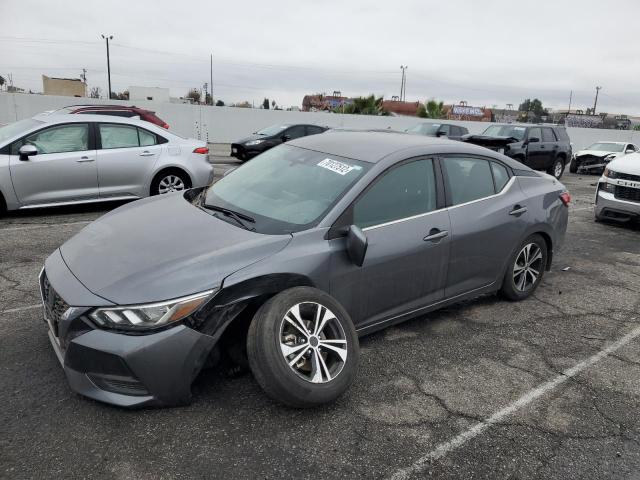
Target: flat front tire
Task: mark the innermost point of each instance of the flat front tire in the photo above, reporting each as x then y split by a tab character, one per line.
525	269
303	348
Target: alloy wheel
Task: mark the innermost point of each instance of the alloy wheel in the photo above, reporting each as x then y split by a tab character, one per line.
528	266
313	342
170	183
558	169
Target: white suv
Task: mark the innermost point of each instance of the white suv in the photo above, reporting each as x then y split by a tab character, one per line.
618	192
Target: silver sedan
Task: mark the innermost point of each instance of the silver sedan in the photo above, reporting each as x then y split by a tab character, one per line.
51	160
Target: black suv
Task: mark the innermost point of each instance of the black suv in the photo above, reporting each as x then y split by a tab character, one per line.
269	137
539	147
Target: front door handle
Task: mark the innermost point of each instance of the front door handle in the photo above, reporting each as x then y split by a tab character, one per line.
518	210
435	234
147	153
85	159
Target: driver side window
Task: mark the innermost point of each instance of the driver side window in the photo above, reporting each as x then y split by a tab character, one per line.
58	139
295	132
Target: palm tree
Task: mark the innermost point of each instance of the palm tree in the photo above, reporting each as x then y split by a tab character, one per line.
431	109
364	106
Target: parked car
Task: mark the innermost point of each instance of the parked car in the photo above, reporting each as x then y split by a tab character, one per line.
52	160
269	137
294	254
116	110
454	132
539	147
618	190
595	157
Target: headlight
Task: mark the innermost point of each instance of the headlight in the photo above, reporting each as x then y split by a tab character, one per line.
611	156
151	315
254	142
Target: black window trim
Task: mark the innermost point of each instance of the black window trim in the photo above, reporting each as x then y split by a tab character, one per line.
445	179
345	219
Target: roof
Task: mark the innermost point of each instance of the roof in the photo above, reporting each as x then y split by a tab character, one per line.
401	108
371	146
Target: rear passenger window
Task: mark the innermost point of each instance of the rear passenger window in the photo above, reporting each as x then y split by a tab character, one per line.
402	192
548	135
468	179
118	136
500	176
146	138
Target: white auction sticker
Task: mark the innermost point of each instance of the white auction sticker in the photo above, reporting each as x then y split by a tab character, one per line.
335	166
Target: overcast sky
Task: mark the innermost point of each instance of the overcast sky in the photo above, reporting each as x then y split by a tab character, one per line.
489	52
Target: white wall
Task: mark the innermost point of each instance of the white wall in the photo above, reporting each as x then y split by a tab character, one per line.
226	124
142	93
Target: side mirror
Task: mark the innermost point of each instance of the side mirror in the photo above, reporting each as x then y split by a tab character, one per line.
629	150
356	245
441	133
27	151
286	138
533	140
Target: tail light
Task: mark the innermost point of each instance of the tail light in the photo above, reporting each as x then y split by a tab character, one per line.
566	198
202	150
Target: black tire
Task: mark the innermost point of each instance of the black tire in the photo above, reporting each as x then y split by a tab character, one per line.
509	287
269	365
3	205
557	168
573	166
184	178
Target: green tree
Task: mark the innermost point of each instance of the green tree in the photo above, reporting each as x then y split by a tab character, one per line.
194	94
431	109
265	104
364	106
534	106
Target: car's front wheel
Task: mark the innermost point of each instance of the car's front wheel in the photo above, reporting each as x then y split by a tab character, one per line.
525	269
303	348
557	169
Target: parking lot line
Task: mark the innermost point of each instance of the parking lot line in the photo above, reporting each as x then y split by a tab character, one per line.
477	429
20	309
43	225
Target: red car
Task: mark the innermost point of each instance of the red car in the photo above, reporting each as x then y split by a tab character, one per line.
117	110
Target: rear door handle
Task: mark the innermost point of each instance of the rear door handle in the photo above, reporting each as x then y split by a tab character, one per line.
518	210
85	159
435	234
147	153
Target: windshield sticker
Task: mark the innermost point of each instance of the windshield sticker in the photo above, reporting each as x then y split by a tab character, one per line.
336	166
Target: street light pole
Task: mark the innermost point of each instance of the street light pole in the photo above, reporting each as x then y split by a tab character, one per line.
403	82
107	38
595	102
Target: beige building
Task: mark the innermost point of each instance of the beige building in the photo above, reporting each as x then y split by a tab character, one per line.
67	87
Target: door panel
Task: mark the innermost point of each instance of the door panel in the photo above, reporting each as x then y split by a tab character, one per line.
64	169
483	236
124	167
537	155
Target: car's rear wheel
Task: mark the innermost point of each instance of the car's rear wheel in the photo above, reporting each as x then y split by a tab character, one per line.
303	348
170	181
525	269
557	169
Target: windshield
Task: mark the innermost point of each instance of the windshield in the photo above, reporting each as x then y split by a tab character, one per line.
505	131
606	147
424	129
272	130
286	189
14	129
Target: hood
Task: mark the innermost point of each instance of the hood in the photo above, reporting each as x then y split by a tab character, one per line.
487	141
161	248
596	153
629	164
254	136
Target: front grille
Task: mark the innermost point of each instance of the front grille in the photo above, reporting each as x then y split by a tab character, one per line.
627	193
624	176
587	160
54	305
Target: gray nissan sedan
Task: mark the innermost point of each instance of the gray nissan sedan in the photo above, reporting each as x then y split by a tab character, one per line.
282	264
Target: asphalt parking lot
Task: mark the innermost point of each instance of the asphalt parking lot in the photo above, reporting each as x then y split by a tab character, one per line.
545	388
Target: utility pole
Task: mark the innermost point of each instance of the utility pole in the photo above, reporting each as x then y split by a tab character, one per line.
403	68
206	92
83	76
107	38
595	102
570	99
211	79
